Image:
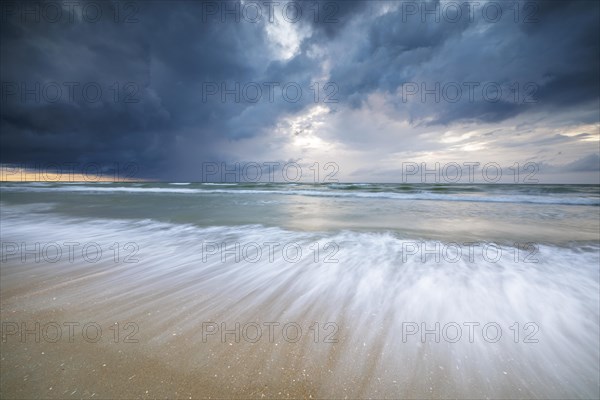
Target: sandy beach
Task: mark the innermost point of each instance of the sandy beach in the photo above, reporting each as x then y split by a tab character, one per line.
138	308
239	295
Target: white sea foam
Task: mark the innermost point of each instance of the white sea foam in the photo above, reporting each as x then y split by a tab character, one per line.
370	293
487	198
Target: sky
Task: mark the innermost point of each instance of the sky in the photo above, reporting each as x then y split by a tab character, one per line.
355	91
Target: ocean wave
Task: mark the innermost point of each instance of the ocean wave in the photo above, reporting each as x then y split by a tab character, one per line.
423	195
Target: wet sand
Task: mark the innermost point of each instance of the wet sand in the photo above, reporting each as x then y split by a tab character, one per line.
172	360
169	303
163	359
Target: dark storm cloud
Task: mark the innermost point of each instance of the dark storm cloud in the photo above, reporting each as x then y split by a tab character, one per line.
58	83
158	73
166	55
159	56
553	48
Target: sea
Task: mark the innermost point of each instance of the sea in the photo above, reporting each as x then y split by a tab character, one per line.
329	290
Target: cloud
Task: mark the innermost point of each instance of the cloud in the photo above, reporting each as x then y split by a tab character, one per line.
159	64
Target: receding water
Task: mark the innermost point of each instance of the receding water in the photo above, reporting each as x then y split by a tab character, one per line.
392	291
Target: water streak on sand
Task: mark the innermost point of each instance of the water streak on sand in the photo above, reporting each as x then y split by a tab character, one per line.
369	295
